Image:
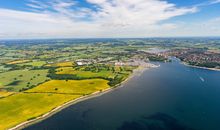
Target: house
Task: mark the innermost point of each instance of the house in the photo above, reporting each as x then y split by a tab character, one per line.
79	63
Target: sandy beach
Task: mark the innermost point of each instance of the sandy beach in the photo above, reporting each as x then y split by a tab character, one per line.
136	72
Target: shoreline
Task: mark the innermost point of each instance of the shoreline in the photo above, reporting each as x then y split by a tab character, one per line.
213	69
136	72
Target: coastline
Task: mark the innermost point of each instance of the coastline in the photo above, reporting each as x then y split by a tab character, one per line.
213	69
136	72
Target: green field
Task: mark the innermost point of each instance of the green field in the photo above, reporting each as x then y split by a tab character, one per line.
3	69
85	74
115	74
32	103
96	71
18	62
19	79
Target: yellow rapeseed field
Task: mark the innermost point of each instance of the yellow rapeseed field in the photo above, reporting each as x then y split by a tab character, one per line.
35	102
81	87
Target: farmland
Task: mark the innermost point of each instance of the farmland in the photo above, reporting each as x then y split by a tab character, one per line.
37	77
5	94
61	64
17	62
34	63
46	96
3	69
114	74
85	74
19	79
22	107
78	87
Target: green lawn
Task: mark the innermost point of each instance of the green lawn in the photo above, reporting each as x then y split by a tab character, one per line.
18	79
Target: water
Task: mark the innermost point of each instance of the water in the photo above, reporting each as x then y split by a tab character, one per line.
171	97
156	50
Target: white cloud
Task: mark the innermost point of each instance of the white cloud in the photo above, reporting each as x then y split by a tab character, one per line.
37	4
97	1
209	27
115	18
136	12
215	2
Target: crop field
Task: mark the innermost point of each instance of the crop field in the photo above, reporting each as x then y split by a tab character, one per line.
81	87
43	98
124	69
19	79
95	71
215	50
5	93
61	64
85	74
64	64
34	63
17	62
22	107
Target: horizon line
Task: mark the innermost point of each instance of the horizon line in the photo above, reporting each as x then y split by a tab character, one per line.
69	38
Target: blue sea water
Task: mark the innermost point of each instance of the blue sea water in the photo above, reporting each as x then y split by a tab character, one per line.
171	97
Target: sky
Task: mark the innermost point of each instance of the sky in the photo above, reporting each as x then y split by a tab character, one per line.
27	19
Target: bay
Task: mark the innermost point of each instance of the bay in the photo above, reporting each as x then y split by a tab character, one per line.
171	97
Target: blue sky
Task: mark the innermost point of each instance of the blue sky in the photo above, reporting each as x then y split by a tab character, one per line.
108	18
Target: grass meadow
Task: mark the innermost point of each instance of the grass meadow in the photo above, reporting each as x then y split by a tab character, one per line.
85	74
18	79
